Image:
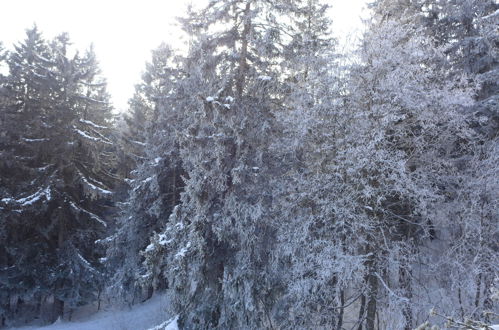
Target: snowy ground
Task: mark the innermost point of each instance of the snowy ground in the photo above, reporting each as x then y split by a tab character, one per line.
149	315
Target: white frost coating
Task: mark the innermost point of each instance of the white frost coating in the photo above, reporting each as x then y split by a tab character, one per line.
157	160
163	241
92	215
181	253
265	78
48	193
227	106
149	248
39	75
229	99
210	99
91	123
496	13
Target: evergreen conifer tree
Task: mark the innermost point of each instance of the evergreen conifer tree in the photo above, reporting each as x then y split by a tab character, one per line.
216	251
156	182
60	159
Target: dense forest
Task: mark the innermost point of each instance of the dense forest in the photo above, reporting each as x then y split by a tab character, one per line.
261	179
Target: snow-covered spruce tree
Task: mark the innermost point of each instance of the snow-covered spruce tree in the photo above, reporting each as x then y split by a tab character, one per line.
156	182
407	122
61	158
310	235
143	106
24	91
4	187
216	249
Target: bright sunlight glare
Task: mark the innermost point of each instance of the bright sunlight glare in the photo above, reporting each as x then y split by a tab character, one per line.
124	32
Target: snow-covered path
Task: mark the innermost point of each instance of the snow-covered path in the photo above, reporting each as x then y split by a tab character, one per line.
151	314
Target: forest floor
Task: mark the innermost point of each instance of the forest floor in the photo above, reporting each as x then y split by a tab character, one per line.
149	315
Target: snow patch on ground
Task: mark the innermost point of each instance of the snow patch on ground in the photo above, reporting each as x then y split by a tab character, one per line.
171	324
150	315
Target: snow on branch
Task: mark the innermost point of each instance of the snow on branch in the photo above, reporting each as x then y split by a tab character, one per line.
89	137
93	187
138	142
212	99
34	140
43	59
91	123
494	14
180	254
90	214
85	135
31	199
86	263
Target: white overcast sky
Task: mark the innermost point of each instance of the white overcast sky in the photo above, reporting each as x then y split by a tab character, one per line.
123	31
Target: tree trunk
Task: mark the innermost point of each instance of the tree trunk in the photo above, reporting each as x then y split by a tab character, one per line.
362	311
488	303
58	306
57	309
99	300
478	288
340	315
38	308
243	63
372	283
405	284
